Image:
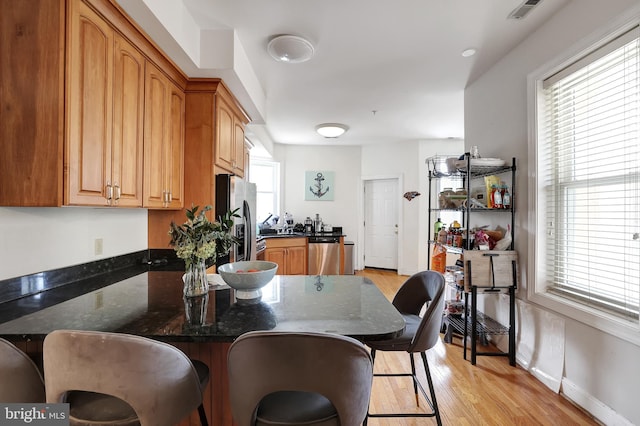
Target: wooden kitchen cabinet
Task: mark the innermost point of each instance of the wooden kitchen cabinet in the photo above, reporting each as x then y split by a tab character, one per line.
73	99
163	141
247	160
202	117
290	253
32	42
229	144
103	159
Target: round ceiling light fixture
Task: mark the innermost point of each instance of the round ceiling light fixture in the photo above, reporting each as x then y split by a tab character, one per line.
290	48
468	52
331	130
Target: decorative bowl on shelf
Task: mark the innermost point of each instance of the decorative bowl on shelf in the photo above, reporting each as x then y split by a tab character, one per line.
248	277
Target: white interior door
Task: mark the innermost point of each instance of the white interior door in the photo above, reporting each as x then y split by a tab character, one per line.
381	223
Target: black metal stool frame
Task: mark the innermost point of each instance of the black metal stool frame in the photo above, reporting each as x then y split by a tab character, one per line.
433	403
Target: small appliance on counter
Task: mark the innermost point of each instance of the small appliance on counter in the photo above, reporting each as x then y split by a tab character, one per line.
317	224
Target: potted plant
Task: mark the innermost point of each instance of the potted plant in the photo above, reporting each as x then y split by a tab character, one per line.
198	240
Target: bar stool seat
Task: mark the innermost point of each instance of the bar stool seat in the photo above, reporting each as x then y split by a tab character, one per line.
296	408
89	408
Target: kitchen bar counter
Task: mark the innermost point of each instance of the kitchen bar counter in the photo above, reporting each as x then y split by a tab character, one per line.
151	304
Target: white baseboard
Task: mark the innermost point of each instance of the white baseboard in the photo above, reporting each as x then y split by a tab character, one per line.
593	406
549	381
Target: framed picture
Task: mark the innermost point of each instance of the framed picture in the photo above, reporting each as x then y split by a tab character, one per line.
318	186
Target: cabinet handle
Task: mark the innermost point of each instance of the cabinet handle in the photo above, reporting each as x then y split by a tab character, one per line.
109	193
118	192
170	197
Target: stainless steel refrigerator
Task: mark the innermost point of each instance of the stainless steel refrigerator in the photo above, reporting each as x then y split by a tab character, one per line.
233	193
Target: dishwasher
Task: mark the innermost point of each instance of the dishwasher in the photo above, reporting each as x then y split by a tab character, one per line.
324	255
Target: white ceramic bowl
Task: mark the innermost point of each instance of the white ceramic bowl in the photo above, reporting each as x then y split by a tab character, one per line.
248	277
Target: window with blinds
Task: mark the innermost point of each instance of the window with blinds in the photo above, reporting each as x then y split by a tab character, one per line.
266	175
589	176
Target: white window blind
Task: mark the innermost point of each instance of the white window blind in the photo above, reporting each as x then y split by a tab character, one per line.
589	167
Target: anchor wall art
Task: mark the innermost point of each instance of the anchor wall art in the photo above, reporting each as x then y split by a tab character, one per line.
318	186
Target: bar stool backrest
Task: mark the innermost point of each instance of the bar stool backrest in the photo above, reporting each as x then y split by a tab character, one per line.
21	380
156	379
337	367
423	288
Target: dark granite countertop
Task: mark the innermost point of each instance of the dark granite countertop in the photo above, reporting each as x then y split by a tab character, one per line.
150	303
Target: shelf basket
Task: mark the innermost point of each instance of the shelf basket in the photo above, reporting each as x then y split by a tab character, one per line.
438	166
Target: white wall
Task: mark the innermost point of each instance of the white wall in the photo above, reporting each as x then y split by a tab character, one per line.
39	239
295	160
596	365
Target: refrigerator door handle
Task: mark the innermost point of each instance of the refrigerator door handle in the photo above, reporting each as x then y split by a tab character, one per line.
248	231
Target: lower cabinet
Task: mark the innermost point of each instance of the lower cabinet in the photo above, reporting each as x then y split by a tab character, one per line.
290	253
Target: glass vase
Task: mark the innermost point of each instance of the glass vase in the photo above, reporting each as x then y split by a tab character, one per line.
195	309
195	278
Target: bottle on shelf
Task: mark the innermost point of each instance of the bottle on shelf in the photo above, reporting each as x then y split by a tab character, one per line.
452	235
457	237
442	235
436	229
474	152
496	197
506	198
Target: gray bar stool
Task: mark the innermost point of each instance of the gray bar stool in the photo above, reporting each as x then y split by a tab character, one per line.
280	378
21	378
420	334
114	378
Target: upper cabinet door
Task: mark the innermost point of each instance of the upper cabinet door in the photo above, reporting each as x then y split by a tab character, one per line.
163	141
89	109
155	133
225	150
175	165
128	128
239	148
229	147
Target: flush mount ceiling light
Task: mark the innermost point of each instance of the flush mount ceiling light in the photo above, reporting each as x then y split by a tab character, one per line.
290	48
331	130
469	52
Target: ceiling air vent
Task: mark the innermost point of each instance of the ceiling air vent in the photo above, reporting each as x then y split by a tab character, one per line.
522	10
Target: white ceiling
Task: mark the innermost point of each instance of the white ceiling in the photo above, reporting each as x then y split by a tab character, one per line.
391	71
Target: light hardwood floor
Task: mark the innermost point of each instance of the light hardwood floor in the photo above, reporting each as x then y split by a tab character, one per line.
489	393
